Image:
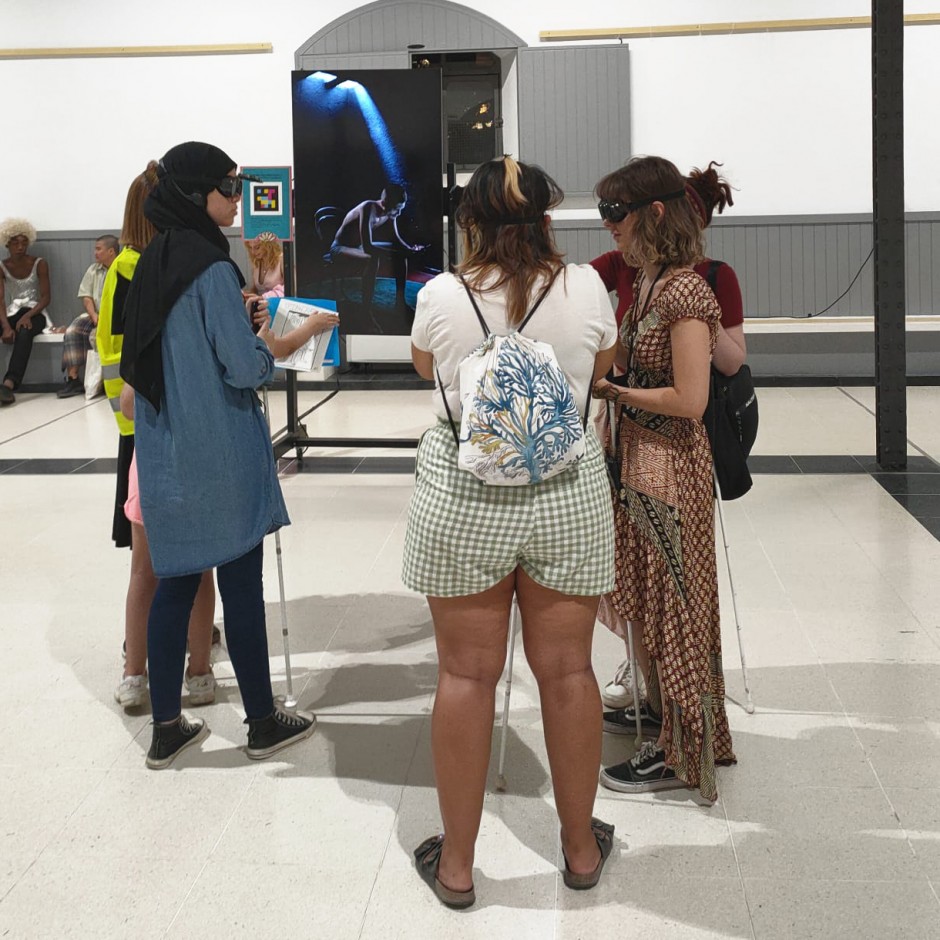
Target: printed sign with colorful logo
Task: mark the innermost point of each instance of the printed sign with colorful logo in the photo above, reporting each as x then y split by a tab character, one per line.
266	203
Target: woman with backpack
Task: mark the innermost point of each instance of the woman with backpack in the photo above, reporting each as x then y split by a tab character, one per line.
471	545
667	583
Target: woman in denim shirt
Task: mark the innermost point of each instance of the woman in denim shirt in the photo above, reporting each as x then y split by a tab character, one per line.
208	485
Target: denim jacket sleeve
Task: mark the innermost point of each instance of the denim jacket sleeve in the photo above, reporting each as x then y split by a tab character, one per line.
244	360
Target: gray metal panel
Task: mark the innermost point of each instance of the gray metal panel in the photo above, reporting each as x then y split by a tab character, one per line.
795	267
574	112
776	265
393	25
349	61
68	255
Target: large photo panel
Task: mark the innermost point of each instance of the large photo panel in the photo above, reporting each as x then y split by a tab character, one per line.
368	192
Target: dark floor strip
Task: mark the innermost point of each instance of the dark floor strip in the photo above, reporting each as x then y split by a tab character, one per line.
917	488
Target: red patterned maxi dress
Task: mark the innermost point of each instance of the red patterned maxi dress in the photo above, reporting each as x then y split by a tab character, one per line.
665	544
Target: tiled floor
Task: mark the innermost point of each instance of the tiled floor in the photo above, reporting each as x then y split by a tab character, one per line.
829	826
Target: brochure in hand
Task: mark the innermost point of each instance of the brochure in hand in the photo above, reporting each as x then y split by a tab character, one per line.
289	315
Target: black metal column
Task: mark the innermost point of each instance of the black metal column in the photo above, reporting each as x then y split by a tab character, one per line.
888	199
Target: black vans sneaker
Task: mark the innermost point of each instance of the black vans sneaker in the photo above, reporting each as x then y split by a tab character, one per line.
643	774
280	729
169	740
623	721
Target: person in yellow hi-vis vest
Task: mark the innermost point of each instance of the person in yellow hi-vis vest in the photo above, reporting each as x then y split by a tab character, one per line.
132	691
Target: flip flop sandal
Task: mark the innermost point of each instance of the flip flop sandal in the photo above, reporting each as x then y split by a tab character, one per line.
604	834
427	861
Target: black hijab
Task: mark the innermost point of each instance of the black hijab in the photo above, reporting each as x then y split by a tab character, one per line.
187	242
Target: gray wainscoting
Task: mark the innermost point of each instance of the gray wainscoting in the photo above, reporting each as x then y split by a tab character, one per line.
788	267
795	266
69	254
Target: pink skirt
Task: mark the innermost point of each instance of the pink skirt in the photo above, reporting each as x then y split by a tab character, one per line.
132	504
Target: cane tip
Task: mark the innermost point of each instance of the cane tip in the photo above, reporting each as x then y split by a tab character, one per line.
749	708
500	784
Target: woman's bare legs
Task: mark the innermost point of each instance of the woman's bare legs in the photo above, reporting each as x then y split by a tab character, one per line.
140	590
557	631
201	621
471	634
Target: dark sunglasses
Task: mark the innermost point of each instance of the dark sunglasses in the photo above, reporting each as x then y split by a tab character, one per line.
230	186
616	211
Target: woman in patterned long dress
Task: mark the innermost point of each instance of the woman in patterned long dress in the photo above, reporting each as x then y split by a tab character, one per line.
664	514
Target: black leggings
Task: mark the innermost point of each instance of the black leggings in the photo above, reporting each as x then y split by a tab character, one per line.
22	345
241	589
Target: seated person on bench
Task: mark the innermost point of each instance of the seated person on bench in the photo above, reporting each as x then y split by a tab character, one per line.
80	333
24	281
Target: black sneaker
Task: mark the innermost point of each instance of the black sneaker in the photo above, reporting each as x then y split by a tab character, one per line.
280	729
623	721
170	740
71	387
644	773
6	395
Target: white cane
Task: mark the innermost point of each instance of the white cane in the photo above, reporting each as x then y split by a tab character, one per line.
513	617
290	702
749	707
634	685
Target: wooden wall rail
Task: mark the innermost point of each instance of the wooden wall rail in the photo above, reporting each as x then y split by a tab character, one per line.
727	29
97	52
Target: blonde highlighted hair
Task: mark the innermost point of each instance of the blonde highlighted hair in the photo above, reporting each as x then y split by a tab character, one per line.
508	240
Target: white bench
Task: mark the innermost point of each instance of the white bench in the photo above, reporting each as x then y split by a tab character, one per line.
45	361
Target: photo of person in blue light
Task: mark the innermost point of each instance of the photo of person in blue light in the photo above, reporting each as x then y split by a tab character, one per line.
356	247
368	193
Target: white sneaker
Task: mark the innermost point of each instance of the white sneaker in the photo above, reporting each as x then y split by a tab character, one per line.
132	692
201	688
618	693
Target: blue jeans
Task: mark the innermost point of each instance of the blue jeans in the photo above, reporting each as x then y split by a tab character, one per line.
240	586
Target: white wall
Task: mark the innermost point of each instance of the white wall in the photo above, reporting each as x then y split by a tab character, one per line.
789	114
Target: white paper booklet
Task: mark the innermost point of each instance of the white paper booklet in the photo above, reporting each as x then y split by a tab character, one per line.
291	314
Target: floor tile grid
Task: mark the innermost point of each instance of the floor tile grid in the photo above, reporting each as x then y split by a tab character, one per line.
328	646
737	863
749	885
255	775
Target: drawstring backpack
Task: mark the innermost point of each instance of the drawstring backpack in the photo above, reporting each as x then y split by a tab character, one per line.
519	422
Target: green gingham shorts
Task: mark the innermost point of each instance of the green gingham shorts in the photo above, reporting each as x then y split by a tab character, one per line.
464	536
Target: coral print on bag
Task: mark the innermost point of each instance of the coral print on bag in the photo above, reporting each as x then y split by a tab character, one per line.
521	423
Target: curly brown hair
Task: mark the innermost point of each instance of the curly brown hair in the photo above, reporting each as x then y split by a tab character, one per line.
673	238
502	213
709	190
137	230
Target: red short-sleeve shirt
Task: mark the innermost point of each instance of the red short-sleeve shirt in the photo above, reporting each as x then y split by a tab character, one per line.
618	276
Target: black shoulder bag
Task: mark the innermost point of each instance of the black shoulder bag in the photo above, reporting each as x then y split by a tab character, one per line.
730	420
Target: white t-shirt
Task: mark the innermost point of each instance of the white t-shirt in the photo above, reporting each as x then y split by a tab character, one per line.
576	318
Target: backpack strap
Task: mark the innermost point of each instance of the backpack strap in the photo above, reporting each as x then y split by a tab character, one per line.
450	416
711	275
476	309
536	306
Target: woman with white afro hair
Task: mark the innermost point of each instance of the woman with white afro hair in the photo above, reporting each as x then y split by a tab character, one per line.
11	227
25	283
